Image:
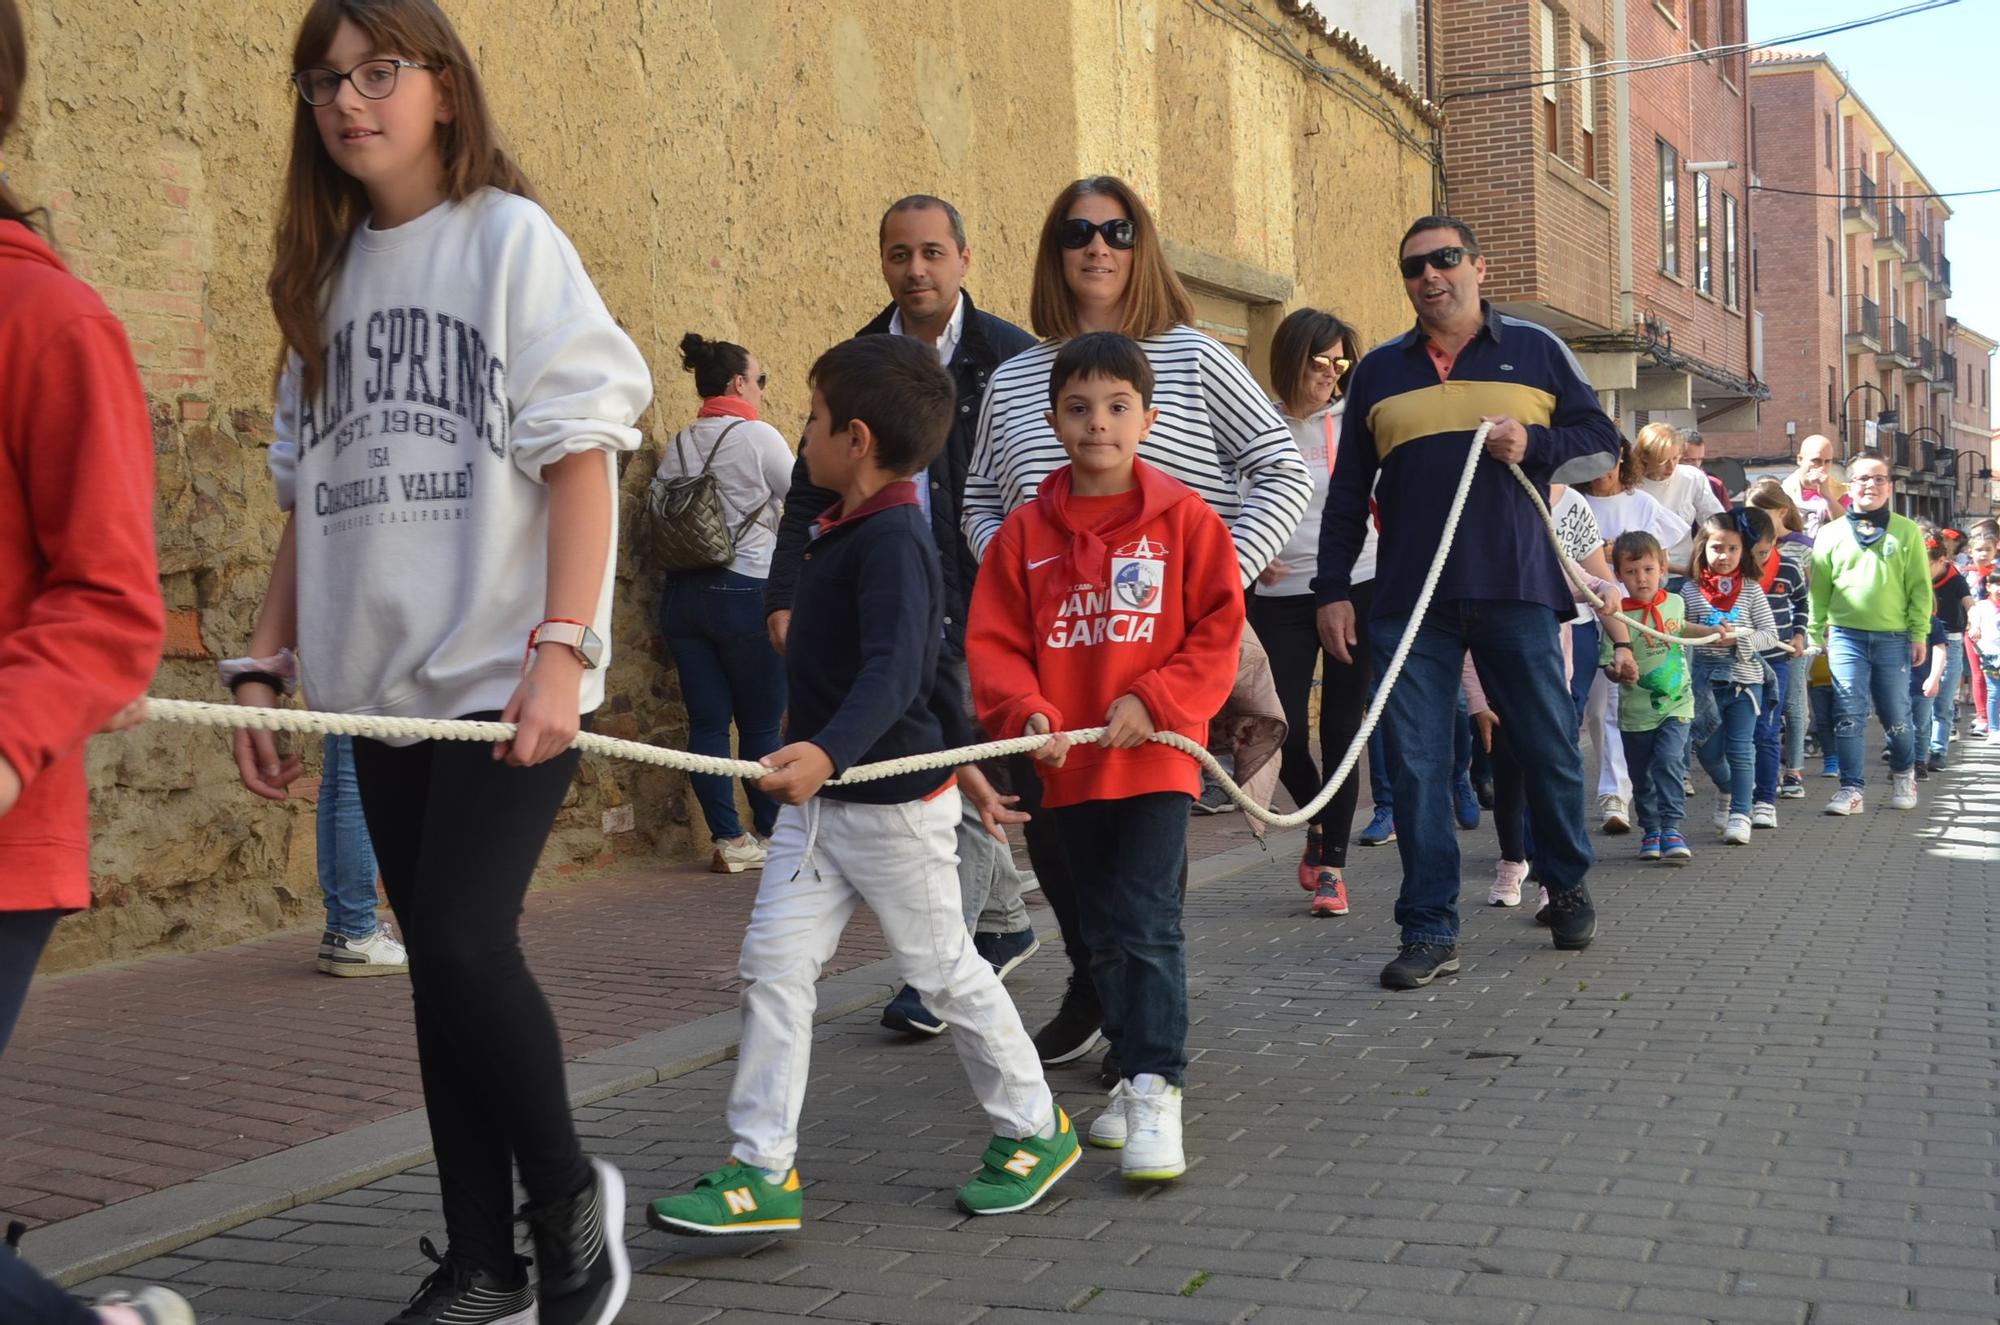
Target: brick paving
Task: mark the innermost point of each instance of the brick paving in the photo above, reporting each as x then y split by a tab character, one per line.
1767	1093
129	1079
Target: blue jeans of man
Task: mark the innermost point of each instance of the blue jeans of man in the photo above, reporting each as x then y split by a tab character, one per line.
1519	656
25	1297
713	622
1870	664
1730	752
1770	735
1795	672
1658	763
1945	712
346	855
1128	858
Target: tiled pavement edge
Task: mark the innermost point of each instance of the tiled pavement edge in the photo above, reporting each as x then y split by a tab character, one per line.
1767	1093
115	1236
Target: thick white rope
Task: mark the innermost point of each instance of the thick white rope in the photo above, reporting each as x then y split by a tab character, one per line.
349	724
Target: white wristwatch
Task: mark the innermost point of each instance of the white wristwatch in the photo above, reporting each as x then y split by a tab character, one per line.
581	639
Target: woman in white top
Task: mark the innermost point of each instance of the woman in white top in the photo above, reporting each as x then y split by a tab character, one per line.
1682	489
713	620
1312	356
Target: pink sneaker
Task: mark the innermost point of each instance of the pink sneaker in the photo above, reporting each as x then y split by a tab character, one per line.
1310	859
1507	879
1329	893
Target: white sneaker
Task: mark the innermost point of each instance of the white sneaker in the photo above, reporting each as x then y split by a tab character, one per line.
1845	801
1507	878
378	954
1721	813
1612	809
1108	1129
1737	831
1903	790
745	853
152	1304
1152	1151
1764	814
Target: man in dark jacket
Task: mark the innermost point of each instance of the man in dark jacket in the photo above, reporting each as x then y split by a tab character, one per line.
924	261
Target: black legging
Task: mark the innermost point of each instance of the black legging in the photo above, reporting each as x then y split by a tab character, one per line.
1288	629
457	834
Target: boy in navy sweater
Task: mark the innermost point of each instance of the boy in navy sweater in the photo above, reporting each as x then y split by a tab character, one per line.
862	663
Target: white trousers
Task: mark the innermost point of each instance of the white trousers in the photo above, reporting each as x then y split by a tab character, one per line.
1600	725
902	860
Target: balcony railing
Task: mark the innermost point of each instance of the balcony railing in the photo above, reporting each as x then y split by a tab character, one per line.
1947	376
1893	238
1926	358
1858	215
1864	325
1900	450
1941	275
1899	344
1927	456
1919	267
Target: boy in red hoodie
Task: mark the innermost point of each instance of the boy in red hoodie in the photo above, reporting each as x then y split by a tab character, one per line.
1113	598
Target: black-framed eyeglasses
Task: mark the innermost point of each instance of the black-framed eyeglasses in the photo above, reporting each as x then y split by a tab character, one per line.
1076	232
1444	259
374	79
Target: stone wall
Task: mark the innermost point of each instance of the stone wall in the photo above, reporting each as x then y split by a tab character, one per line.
721	165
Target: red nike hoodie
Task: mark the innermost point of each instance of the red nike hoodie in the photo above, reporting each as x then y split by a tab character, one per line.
81	622
1083	599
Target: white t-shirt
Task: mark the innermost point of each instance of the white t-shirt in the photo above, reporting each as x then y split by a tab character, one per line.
753	467
1636	510
1686	493
465	351
1318	439
1576	530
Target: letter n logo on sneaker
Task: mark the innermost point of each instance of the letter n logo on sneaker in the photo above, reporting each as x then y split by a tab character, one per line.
1022	1164
740	1201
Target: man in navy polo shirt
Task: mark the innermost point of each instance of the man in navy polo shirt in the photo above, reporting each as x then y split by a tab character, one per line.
1413	406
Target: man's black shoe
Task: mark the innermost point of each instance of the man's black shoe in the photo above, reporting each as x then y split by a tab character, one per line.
1571	918
1418	964
1076	1027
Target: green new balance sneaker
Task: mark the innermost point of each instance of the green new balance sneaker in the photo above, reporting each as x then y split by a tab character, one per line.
1016	1173
734	1199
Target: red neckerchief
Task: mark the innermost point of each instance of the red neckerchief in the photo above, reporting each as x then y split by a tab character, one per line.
1720	590
1770	575
727	407
1949	571
1981	571
1649	609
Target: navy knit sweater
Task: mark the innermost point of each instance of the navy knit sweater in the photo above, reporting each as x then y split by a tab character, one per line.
1404	440
861	658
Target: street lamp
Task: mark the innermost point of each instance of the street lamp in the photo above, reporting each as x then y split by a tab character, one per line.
1939	465
1885	420
1948	461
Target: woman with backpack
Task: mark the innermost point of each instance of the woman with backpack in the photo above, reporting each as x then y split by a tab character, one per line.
712	518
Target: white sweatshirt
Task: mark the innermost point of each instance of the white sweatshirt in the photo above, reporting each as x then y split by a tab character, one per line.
1318	438
466	350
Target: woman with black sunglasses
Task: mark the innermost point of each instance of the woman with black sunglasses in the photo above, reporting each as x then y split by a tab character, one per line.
1312	357
1101	266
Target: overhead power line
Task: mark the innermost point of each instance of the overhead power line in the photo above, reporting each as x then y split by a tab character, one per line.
1891	197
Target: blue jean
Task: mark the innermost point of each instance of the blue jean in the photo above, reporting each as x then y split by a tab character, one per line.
1870	664
1795	711
1658	763
1730	752
1820	699
713	622
1583	644
25	1297
1515	647
1770	734
1129	859
1946	708
346	856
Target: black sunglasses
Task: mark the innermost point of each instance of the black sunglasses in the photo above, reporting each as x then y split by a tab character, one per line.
1076	233
1444	259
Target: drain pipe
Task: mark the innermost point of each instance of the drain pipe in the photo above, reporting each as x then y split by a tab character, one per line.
1621	99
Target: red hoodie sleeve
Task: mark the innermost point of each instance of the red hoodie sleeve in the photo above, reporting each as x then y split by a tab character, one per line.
1000	641
1192	686
79	451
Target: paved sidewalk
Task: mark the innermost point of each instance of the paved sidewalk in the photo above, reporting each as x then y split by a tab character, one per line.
1767	1093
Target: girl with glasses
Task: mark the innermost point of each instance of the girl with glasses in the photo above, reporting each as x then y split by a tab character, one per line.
1101	266
451	393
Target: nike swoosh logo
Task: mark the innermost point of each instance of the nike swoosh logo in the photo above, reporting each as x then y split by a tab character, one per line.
1036	565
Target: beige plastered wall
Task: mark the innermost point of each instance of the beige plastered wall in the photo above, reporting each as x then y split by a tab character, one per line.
721	166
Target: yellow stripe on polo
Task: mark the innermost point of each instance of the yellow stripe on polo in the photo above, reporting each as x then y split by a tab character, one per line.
1453	407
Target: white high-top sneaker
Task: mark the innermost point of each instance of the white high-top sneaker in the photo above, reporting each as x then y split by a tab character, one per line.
1152	1151
1108	1129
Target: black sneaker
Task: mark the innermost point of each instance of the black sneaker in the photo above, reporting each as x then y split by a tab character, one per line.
906	1013
1418	964
1003	952
1571	918
580	1252
1076	1028
457	1294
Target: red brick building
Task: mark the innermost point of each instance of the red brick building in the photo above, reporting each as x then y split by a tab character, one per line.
1968	365
1614	209
1850	276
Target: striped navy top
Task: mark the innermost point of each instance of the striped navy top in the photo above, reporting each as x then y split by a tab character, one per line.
1216	426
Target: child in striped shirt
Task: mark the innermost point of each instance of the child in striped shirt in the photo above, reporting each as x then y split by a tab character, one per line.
1783	581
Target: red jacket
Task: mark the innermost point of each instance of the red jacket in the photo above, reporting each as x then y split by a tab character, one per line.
1083	599
81	622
